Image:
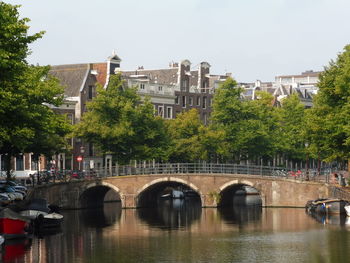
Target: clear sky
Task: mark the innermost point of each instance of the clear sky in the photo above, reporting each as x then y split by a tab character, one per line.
252	39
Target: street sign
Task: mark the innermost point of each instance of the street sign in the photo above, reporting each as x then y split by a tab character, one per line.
79	158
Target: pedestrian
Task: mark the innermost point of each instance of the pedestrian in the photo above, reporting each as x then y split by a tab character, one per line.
341	180
335	179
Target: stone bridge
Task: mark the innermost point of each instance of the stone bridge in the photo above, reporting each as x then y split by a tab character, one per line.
213	189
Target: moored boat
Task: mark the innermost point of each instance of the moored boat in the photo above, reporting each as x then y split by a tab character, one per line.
326	206
173	194
347	209
43	217
35	208
13	225
50	220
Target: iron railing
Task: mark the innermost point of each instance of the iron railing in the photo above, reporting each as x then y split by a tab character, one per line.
181	168
207	168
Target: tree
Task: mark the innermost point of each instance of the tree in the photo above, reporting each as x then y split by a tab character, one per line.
185	133
248	126
119	124
291	128
328	121
25	92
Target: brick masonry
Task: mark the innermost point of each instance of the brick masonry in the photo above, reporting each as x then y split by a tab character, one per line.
274	192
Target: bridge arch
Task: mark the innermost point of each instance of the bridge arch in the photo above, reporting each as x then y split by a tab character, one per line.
228	189
94	193
146	194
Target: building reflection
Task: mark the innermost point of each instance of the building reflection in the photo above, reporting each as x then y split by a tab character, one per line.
100	235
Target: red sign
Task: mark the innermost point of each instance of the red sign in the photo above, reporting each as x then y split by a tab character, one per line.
79	158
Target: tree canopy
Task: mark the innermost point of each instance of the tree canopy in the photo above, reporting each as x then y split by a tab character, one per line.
119	124
185	133
290	137
27	124
328	122
248	125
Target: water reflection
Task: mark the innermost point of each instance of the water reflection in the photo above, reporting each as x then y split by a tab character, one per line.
101	216
327	219
15	249
172	213
112	234
241	215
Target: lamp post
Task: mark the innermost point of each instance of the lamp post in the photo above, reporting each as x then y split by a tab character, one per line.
82	151
307	177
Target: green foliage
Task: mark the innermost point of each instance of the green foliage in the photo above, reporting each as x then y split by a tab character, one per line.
248	126
328	121
215	196
27	124
14	40
185	134
291	128
119	124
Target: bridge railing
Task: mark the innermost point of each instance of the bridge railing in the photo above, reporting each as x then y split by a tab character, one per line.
206	168
182	168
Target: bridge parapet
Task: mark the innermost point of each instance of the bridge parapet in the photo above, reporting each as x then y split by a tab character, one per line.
274	191
205	168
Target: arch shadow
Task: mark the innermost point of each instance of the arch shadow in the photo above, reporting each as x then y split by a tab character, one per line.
150	193
241	193
97	193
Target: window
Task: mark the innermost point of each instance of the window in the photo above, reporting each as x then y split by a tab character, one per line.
3	166
142	86
160	88
204	105
169	112
183	101
198	101
91	92
177	100
19	163
190	100
184	85
204	85
91	149
160	111
34	163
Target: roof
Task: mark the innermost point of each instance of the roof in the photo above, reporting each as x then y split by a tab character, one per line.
72	77
304	74
159	76
114	57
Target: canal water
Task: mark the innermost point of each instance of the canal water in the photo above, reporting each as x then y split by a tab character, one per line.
179	231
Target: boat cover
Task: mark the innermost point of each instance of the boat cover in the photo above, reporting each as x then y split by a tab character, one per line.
8	213
39	205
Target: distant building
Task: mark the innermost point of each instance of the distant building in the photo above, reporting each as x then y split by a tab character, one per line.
171	91
305	85
177	88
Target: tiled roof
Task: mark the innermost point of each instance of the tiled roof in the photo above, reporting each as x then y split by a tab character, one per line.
71	77
159	76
